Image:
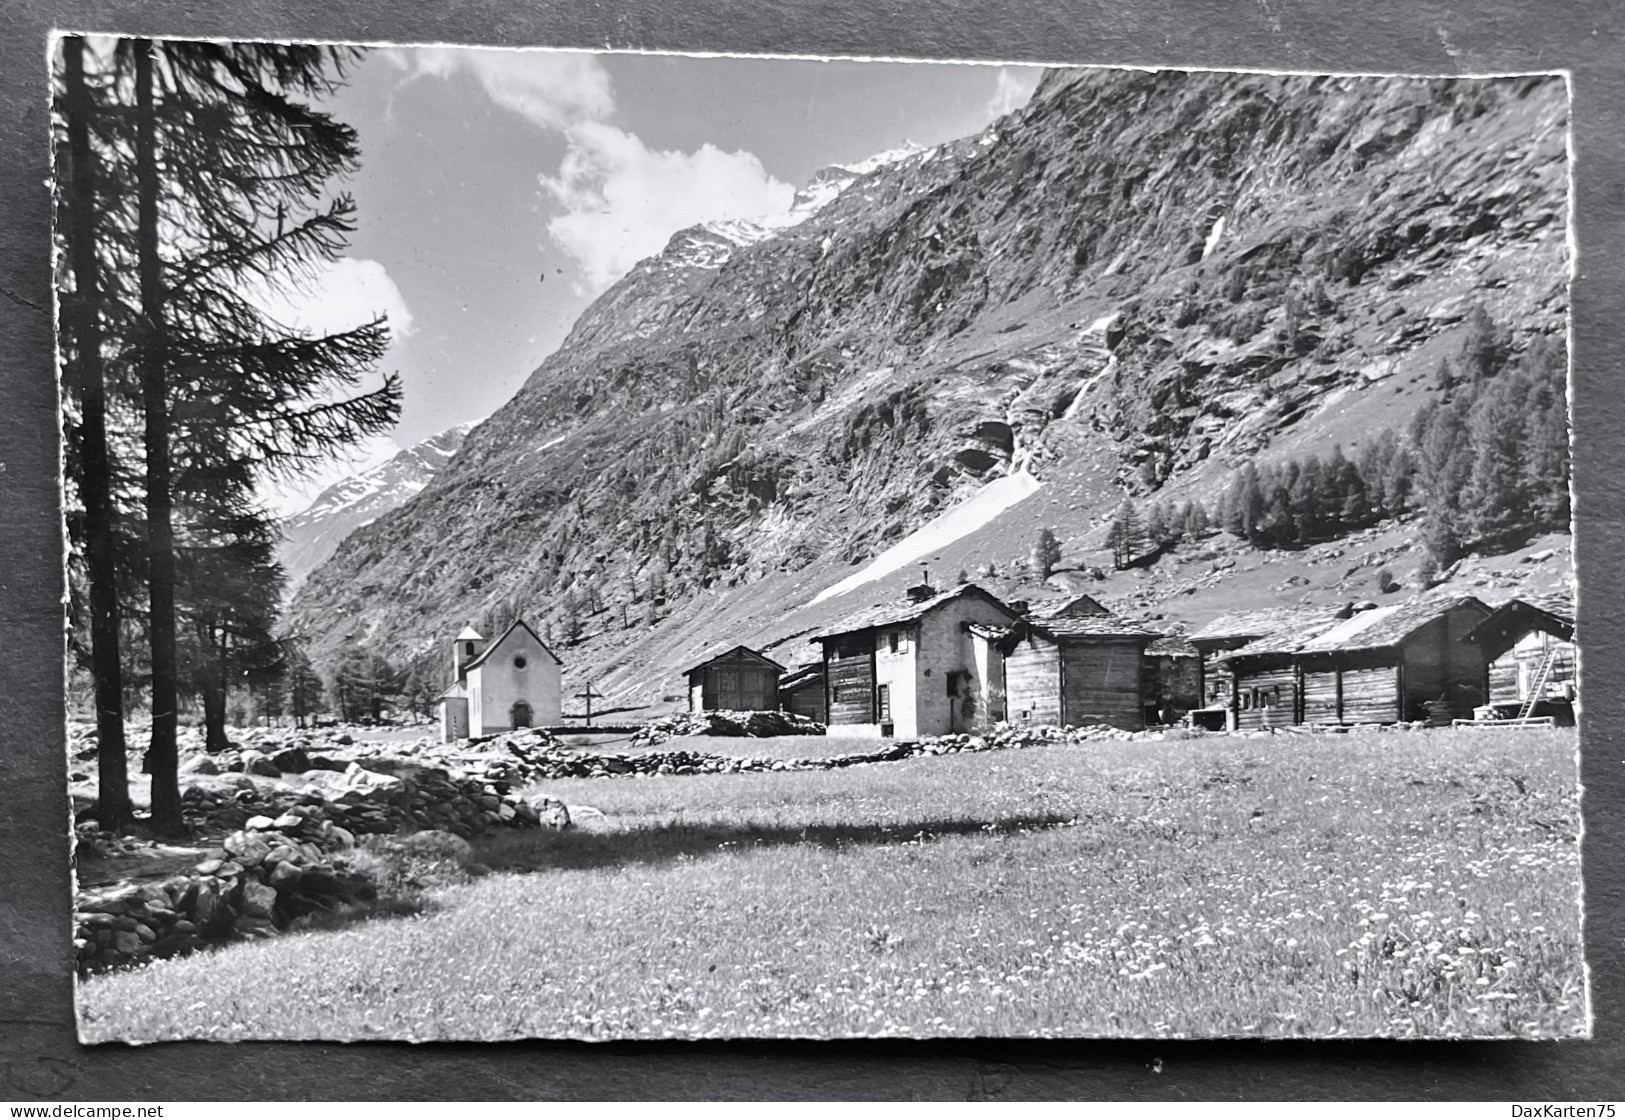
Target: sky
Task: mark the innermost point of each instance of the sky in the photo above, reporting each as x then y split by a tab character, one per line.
501	191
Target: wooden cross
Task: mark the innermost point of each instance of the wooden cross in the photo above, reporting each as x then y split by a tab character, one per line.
589	694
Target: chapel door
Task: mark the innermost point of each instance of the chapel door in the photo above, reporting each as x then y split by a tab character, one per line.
521	714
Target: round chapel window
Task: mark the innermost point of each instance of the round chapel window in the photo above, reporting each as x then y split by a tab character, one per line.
519	663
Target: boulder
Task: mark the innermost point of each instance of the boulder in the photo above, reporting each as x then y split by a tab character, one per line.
291	761
258	899
200	764
437	844
550	813
284	874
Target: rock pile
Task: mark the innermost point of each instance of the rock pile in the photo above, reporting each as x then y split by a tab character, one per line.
563	763
260	880
759	725
360	800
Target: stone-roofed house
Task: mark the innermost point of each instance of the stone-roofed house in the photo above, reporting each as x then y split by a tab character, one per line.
1232	631
1379	665
1072	663
1531	659
910	667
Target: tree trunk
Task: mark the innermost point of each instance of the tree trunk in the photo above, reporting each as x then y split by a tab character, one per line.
214	715
82	317
162	758
214	691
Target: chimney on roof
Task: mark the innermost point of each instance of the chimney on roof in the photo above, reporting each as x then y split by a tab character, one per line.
923	590
1020	606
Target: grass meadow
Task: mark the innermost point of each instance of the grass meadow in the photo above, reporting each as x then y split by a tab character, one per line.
1418	884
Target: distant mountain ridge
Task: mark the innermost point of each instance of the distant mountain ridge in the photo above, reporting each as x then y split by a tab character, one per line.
310	536
1133	284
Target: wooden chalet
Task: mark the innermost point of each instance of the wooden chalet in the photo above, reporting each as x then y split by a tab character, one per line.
737	680
1229	632
907	668
803	692
1071	664
1380	665
1531	663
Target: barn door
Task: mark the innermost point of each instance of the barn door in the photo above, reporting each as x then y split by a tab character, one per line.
728	695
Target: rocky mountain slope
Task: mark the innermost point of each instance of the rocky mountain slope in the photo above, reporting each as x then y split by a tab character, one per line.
1133	284
312	535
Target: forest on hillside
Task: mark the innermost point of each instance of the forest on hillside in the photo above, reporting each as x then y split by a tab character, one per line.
1483	465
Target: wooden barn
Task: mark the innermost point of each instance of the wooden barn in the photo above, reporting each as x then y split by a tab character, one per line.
1171	679
909	668
1072	664
736	680
1531	663
802	692
1214	641
1381	665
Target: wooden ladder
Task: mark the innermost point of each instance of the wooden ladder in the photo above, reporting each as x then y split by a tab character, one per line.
1538	685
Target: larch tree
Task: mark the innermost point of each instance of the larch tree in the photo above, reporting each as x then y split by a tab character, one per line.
223	218
1126	535
1046	554
88	451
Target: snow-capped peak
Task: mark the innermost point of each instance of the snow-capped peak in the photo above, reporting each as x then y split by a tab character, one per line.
311	535
710	244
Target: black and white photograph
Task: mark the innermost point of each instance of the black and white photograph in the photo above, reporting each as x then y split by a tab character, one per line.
623	545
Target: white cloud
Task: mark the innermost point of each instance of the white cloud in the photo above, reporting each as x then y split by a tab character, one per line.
1012	89
331	298
553	89
622	201
337	297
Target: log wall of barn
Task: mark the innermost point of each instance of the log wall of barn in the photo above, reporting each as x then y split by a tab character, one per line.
1371	695
1438	664
1032	681
852	689
806	700
1100	683
1321	690
1465	661
1271	689
1425	668
735	685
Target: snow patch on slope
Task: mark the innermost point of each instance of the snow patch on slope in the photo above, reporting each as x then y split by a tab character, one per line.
941	531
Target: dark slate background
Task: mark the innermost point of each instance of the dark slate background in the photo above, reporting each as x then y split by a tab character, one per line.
39	1056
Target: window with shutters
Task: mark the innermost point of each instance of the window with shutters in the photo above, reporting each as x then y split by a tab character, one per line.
883	702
